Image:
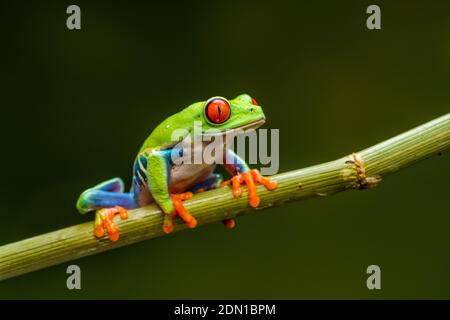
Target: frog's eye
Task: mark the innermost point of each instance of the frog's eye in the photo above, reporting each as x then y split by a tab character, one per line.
217	110
254	102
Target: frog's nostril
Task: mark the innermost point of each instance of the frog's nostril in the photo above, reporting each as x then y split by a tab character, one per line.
251	109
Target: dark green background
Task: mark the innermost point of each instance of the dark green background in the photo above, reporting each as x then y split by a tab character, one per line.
76	106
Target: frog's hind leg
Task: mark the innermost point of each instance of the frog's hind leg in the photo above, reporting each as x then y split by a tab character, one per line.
212	182
112	185
109	200
85	203
106	194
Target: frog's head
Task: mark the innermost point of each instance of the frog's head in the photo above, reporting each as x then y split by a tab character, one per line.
216	115
221	114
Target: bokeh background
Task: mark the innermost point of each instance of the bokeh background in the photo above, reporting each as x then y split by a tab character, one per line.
76	106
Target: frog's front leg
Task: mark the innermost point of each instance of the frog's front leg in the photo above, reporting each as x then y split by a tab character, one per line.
158	170
242	174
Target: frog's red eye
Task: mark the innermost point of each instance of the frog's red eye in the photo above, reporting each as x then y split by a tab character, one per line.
255	103
218	110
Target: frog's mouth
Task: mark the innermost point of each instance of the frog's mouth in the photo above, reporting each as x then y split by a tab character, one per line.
237	131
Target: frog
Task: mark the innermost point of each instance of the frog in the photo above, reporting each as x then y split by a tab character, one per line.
157	178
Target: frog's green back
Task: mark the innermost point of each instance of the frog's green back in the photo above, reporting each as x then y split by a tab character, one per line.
161	136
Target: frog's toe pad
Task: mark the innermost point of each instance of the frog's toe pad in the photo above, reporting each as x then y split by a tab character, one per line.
270	184
250	179
179	210
104	219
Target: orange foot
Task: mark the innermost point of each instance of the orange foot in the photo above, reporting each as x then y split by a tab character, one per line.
251	179
179	210
104	219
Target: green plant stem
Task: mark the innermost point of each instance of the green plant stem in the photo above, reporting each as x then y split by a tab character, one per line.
356	171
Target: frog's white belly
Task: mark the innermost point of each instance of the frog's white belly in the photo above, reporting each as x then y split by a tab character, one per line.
185	176
188	174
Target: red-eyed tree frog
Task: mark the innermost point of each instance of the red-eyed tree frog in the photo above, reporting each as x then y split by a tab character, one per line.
156	178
